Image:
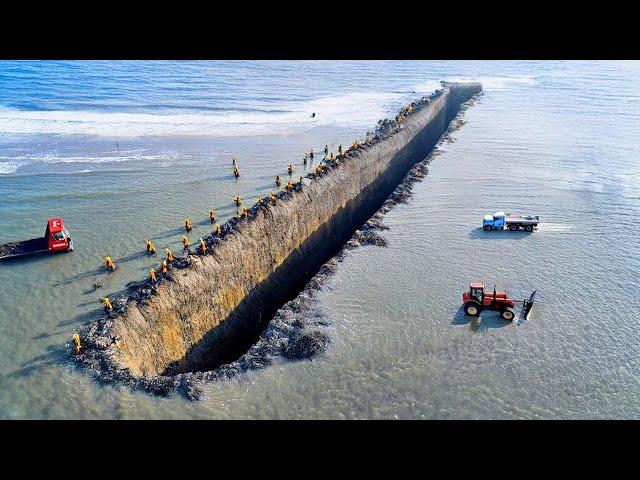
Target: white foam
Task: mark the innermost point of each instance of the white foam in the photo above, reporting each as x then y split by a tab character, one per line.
10	165
352	109
496	83
53	158
554	227
7	168
428	87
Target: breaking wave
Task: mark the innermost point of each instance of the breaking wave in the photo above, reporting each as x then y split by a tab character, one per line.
7	168
357	109
496	83
10	165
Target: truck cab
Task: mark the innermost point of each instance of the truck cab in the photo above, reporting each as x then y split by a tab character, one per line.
494	222
58	238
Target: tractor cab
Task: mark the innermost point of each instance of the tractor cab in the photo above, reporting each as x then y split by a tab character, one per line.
476	292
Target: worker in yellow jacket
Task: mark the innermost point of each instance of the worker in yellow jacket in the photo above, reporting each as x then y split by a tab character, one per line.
107	304
109	263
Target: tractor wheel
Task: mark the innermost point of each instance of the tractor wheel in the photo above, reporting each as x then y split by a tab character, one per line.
529	228
513	228
508	314
487	228
472	308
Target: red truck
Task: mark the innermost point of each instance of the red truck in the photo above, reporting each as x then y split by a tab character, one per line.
56	239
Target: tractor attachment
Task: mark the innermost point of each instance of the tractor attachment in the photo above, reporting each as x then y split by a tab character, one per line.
527	305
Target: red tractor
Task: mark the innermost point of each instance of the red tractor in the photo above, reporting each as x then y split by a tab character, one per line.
475	301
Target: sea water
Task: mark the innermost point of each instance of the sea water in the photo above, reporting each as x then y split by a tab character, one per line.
123	151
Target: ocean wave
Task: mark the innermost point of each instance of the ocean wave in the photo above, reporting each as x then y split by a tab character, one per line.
359	109
10	165
53	158
77	173
8	168
496	83
428	87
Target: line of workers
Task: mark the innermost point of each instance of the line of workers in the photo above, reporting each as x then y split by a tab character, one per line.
151	249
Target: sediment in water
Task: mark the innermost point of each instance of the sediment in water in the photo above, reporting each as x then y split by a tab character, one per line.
192	325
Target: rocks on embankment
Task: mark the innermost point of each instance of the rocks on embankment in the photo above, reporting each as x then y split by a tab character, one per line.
191	326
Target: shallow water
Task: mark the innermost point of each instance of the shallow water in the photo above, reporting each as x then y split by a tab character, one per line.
556	139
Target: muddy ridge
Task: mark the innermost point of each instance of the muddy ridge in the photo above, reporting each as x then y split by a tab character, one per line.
206	318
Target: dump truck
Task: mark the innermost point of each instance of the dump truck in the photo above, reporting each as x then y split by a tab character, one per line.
56	239
511	221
